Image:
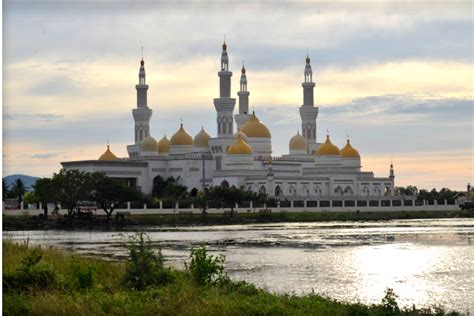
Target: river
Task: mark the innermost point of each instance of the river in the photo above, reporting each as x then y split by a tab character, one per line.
426	262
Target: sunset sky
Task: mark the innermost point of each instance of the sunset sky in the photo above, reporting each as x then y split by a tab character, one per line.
397	78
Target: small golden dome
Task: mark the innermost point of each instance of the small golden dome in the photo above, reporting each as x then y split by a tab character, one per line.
181	137
298	142
202	139
349	152
254	128
108	155
239	147
242	135
328	149
164	145
149	144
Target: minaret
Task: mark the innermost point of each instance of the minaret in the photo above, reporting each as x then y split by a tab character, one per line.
224	104
243	115
308	111
141	114
392	173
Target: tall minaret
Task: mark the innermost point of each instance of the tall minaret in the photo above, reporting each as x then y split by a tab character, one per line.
308	111
141	114
243	115
224	104
392	173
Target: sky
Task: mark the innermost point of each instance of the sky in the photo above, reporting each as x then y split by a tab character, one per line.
397	78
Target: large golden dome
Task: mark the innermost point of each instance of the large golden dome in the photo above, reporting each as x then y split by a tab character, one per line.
349	152
298	142
149	144
164	145
181	137
108	155
202	139
239	147
254	128
328	149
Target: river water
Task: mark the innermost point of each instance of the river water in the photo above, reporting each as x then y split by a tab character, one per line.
426	262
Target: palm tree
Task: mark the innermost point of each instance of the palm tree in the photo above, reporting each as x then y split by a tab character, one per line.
5	190
19	189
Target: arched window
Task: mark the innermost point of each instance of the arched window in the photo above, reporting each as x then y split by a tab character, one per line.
376	191
317	190
193	192
348	191
277	190
262	190
338	190
365	190
387	191
225	184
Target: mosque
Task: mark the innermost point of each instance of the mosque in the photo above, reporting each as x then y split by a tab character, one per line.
242	155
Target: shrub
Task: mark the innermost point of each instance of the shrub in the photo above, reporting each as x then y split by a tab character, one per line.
31	274
206	269
145	265
80	277
389	302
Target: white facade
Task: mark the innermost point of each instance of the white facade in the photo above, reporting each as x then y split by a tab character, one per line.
307	172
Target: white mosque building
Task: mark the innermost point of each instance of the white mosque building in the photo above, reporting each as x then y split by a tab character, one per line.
241	155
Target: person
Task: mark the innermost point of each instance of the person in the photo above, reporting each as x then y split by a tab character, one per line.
56	210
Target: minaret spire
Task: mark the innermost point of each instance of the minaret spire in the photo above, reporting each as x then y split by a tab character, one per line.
141	114
308	111
243	115
224	104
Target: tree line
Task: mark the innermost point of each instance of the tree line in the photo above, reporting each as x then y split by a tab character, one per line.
70	188
430	196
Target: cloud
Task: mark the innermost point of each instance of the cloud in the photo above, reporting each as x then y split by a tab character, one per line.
55	86
46	155
32	117
404	109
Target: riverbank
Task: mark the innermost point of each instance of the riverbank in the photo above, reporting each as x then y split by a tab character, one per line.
135	222
54	283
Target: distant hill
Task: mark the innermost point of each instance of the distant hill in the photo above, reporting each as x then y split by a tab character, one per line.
28	180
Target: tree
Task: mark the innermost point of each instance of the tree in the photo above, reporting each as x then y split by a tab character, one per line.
110	192
30	198
169	189
71	187
46	192
19	189
5	190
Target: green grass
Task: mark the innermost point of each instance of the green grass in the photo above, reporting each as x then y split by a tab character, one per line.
108	296
100	222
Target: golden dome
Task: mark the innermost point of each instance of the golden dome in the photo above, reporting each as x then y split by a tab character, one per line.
181	137
239	147
242	135
164	145
108	155
327	149
298	142
349	152
254	128
149	144
202	139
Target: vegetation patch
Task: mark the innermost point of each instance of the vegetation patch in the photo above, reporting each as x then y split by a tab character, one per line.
46	282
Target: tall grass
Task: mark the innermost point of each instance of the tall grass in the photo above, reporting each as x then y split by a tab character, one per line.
103	291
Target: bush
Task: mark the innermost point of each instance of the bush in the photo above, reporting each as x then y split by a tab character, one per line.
206	269
389	302
80	277
31	274
145	266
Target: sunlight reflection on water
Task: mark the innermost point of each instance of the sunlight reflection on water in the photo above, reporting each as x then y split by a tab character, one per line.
426	262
